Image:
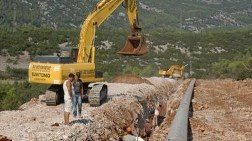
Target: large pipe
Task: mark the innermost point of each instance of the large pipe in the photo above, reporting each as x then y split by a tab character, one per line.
178	130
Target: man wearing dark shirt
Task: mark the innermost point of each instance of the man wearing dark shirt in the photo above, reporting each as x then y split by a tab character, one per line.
77	95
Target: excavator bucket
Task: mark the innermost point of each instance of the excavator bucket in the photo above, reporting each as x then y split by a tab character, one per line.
135	45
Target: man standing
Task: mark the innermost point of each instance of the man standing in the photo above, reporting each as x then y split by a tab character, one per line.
156	115
67	87
77	95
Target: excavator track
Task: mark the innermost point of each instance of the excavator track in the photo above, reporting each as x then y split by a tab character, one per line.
51	98
54	95
98	94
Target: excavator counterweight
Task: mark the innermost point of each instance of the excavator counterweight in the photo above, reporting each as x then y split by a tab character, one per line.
135	45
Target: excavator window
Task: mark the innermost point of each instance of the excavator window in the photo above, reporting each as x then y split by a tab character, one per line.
75	54
176	71
65	53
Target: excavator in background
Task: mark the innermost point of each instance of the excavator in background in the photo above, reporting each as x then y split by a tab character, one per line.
54	70
175	71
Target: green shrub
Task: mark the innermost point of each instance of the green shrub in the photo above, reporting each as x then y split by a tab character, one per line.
13	95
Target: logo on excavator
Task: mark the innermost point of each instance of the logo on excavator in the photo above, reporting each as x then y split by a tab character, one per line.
41	71
41	68
38	74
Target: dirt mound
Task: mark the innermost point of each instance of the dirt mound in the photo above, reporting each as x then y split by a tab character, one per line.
127	105
130	108
4	138
130	79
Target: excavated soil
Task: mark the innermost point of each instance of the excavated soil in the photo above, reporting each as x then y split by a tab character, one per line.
127	105
130	107
222	110
160	133
4	138
130	79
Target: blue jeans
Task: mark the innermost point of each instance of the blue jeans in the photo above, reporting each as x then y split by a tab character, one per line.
77	102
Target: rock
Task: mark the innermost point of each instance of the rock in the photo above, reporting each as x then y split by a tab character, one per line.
55	124
42	98
205	106
65	137
41	122
33	118
194	100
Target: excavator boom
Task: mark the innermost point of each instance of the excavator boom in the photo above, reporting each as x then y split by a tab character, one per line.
135	44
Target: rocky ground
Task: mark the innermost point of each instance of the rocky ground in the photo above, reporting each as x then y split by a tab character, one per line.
221	110
128	105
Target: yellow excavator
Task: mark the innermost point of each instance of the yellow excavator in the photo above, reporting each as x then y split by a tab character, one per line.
54	70
175	71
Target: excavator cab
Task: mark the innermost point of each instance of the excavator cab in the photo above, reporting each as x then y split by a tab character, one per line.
135	45
64	56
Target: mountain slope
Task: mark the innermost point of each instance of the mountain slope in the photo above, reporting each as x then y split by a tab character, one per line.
193	15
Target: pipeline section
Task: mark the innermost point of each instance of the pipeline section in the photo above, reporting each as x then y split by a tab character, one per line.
179	126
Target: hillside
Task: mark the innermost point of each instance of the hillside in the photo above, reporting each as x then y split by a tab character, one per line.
166	47
193	15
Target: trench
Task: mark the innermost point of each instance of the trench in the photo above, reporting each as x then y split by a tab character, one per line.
132	108
171	107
